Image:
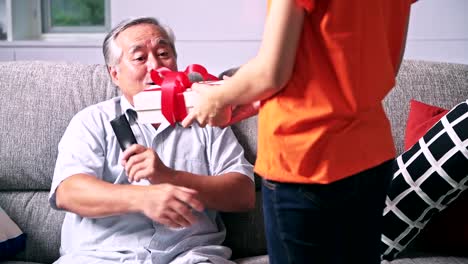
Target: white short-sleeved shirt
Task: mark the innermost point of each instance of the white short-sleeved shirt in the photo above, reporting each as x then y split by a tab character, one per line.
89	146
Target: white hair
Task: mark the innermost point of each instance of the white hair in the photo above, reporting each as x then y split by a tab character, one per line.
112	52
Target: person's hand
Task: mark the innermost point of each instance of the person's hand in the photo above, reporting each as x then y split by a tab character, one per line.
144	163
171	205
207	109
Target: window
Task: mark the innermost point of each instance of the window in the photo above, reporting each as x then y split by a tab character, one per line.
61	20
3	34
74	16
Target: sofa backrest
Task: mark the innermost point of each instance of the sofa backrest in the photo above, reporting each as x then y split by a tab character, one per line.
440	84
38	99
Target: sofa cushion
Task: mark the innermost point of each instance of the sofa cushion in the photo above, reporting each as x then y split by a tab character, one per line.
20	262
253	260
12	239
30	210
429	260
421	117
245	233
447	233
39	99
428	177
246	134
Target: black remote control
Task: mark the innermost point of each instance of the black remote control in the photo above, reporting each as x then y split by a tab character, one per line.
124	133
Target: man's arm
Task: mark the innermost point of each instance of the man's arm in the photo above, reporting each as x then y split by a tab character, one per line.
88	196
225	192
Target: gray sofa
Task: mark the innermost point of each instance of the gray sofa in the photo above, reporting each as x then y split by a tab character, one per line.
39	98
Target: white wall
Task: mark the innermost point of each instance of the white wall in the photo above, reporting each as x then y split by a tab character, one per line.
438	31
223	33
218	34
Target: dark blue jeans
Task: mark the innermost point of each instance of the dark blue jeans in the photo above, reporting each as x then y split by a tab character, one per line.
337	223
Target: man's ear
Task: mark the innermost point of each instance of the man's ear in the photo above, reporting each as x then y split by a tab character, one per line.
114	74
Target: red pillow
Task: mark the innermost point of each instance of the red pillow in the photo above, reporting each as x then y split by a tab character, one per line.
421	118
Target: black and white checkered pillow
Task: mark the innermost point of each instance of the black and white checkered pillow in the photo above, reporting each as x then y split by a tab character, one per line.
428	177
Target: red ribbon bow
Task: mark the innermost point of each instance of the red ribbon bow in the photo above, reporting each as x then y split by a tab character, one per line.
173	85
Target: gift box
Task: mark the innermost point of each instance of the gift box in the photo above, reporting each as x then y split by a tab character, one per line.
171	97
149	104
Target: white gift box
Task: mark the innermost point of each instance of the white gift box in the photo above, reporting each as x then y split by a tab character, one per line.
148	103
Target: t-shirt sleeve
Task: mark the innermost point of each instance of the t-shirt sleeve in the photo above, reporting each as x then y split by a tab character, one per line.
308	5
227	155
80	151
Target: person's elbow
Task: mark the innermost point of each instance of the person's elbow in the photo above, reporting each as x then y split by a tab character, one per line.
250	200
68	189
274	79
61	200
247	196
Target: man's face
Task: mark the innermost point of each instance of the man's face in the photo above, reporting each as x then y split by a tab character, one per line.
145	47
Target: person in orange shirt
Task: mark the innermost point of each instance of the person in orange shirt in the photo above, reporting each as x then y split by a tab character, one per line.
325	147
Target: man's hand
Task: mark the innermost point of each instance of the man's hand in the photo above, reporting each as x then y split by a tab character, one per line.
165	203
171	205
144	163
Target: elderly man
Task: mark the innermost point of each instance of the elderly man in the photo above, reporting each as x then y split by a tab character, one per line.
157	201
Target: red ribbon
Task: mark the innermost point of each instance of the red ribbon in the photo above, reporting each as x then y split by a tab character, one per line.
173	85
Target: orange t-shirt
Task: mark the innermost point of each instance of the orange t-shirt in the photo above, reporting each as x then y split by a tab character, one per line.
328	122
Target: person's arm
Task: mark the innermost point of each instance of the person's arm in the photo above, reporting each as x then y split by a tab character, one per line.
90	197
215	192
264	75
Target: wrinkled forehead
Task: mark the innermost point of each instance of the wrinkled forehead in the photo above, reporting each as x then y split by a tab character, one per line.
142	36
149	44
